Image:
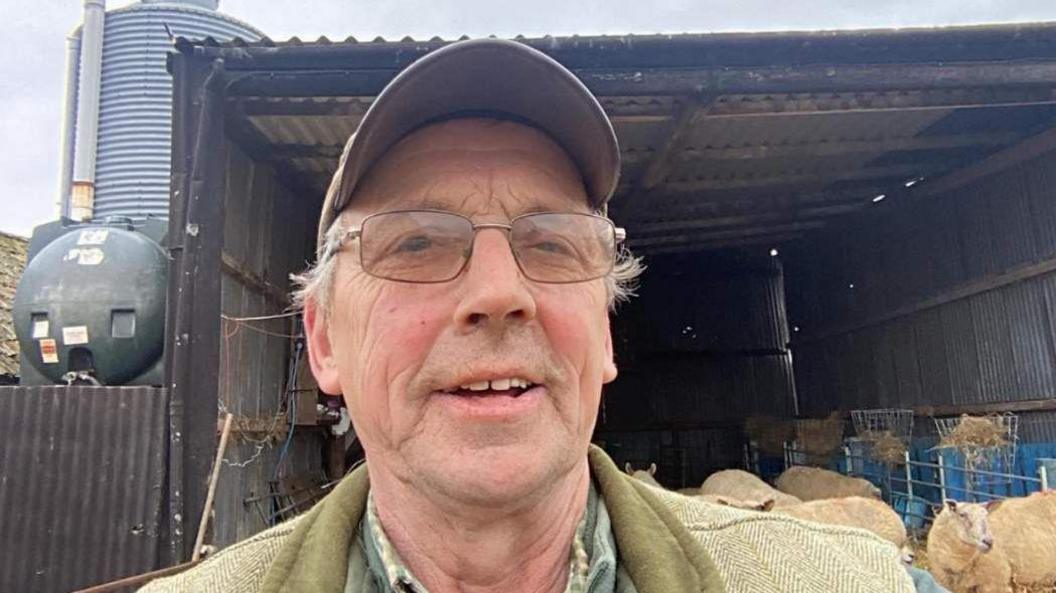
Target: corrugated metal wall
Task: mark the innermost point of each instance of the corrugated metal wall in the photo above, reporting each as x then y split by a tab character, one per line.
267	235
917	305
701	348
106	447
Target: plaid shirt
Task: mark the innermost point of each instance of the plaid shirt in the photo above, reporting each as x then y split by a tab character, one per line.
587	573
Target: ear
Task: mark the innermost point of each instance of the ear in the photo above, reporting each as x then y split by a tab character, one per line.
767	505
951	504
320	353
627	468
608	371
991	505
652	469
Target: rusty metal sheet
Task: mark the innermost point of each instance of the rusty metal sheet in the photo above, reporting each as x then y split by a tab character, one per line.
82	483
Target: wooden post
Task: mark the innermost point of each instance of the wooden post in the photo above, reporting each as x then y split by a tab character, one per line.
139	579
198	541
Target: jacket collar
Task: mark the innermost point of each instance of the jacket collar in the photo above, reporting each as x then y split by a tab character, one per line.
656	550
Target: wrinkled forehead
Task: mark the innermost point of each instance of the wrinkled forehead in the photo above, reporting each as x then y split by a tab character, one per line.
455	159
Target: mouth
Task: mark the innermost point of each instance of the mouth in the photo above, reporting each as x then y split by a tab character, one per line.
505	386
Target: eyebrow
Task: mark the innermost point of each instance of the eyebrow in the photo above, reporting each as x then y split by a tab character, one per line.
431	204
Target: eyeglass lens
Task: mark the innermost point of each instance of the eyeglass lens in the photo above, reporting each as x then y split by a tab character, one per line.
430	246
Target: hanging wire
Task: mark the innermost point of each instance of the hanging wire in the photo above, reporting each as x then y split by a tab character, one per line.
262	317
254	328
234	325
245	463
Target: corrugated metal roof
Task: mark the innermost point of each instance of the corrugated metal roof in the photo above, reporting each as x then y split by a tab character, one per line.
1034	38
82	483
690	142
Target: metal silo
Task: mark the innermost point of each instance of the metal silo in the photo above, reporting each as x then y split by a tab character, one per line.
131	169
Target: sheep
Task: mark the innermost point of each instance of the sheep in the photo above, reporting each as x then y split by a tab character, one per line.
853	511
748	505
645	476
960	551
741	485
984	548
814	483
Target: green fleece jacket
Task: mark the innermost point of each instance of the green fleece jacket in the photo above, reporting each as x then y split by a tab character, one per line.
666	542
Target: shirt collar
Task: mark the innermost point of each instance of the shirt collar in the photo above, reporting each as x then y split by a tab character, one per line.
591	562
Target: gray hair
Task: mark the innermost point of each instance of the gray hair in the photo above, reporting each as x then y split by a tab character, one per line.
317	282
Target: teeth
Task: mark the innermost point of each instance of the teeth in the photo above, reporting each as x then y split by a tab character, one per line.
497	384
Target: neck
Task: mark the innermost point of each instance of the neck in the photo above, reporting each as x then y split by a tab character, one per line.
454	547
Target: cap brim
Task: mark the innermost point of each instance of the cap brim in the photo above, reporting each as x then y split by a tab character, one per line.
483	75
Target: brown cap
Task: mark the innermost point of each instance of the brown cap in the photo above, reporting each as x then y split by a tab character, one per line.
474	77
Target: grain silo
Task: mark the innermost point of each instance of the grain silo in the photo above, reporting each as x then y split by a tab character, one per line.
117	125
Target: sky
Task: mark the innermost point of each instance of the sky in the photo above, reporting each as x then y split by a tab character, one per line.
33	33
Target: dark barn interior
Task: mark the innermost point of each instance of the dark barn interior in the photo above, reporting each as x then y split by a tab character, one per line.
831	221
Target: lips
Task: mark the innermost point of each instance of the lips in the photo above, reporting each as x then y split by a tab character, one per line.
508	386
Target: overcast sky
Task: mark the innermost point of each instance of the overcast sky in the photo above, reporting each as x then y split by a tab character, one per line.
34	31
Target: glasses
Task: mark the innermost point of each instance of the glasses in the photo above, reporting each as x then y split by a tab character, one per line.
428	246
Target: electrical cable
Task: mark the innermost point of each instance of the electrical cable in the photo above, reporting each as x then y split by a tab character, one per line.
291	407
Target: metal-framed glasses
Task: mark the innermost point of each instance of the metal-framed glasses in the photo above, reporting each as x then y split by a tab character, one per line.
429	246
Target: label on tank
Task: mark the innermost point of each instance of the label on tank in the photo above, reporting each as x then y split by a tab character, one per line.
40	329
93	236
85	256
49	353
75	334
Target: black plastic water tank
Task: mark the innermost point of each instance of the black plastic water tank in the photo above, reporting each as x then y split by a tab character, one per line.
92	300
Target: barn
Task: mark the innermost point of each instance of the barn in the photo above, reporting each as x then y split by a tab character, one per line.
831	222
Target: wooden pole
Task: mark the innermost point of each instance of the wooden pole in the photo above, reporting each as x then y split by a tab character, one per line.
139	579
200	540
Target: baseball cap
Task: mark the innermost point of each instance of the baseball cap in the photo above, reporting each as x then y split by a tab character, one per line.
496	76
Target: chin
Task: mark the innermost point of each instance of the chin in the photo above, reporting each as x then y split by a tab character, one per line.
499	473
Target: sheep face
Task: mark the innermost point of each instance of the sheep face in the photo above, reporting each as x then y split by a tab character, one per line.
971	523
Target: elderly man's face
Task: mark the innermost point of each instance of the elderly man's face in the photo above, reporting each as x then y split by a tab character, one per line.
395	350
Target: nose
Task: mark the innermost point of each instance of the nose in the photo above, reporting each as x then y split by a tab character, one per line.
988	542
494	291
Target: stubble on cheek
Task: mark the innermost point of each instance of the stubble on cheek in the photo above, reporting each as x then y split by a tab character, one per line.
395	341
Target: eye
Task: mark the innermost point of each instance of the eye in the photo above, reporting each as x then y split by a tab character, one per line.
554	247
414	244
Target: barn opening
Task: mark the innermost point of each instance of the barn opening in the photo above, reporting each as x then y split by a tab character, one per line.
831	221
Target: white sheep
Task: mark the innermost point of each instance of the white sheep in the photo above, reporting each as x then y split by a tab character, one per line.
645	476
853	511
741	485
748	505
814	483
984	548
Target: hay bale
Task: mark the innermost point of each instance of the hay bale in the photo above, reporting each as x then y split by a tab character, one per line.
769	433
976	432
820	437
884	446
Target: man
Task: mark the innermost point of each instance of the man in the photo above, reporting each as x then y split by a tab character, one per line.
460	306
